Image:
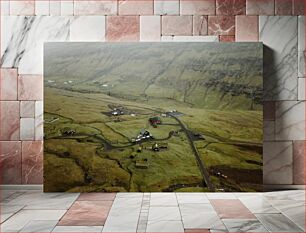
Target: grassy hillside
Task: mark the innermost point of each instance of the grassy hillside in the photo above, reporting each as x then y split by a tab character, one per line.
210	75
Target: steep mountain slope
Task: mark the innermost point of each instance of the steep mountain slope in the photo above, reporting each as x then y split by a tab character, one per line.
202	75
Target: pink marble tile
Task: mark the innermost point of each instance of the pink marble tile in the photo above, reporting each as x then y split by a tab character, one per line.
122	28
230	7
247	29
269	110
299	162
221	25
97	197
9	120
8	84
86	213
27	108
22	7
227	38
200	25
283	7
260	7
231	209
10	162
298	7
105	7
196	7
135	7
32	162
150	28
30	87
176	25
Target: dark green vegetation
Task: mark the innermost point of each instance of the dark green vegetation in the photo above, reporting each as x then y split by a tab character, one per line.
153	117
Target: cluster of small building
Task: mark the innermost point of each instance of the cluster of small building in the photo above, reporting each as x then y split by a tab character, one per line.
117	111
143	135
143	162
154	121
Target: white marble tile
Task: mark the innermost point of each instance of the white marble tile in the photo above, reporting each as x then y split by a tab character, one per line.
39	120
125	202
55	8
165	226
23	38
66	7
6	194
9	198
286	205
294	210
185	198
39	200
150	28
220	196
162	213
239	225
205	217
167	38
258	205
164	7
27	109
277	223
218	227
124	214
301	46
277	162
301	89
290	120
241	195
190	39
87	28
5	7
39	226
163	199
20	219
8	210
39	108
42	7
74	229
39	129
122	219
294	195
269	131
279	35
129	195
27	129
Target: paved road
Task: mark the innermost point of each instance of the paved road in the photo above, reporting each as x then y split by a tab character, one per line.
201	165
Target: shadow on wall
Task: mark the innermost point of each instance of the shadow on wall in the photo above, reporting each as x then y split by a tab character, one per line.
269	83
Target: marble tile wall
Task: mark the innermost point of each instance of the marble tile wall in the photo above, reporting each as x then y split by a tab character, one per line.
27	24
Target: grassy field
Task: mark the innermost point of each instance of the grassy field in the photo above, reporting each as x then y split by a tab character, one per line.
88	166
208	116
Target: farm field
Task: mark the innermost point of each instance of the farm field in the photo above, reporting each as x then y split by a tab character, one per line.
172	118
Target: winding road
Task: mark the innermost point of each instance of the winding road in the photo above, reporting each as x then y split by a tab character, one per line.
201	165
